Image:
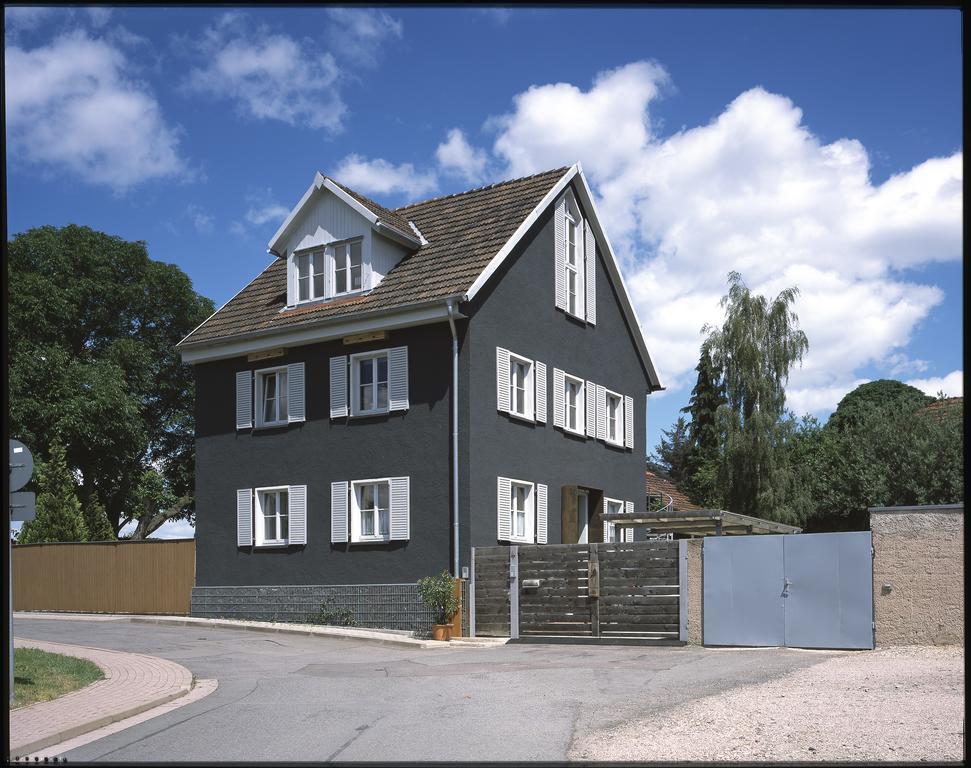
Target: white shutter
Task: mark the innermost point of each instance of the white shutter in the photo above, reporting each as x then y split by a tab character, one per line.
628	534
628	421
504	509
297	511
629	506
601	413
540	376
296	406
590	258
400	508
558	405
244	517
398	379
590	401
338	511
540	513
502	379
244	399
338	387
559	251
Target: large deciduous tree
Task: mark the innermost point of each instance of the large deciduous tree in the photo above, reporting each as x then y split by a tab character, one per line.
754	348
93	323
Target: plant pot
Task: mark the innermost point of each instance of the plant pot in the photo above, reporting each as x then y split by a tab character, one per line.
441	632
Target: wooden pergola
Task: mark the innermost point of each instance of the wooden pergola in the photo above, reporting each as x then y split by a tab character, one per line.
700	522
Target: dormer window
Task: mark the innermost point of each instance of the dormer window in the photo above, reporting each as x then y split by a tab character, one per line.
329	271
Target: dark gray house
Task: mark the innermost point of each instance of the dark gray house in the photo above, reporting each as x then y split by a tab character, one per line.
399	386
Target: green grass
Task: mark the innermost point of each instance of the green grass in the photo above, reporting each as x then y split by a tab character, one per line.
42	676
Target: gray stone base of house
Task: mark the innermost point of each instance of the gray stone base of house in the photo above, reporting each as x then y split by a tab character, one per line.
371	606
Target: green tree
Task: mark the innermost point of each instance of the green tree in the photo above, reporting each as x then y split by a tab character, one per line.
858	405
59	516
93	326
705	438
754	348
671	454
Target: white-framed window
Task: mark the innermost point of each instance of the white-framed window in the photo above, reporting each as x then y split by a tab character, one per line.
348	261
614	406
371	510
369	383
271	397
573	404
272	516
311	269
520	386
574	265
521	504
612	507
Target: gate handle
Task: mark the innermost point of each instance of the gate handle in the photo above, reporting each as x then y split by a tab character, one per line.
785	586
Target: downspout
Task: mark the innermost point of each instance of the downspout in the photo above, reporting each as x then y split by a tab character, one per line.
455	438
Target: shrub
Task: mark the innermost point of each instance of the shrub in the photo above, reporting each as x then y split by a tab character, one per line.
336	616
438	593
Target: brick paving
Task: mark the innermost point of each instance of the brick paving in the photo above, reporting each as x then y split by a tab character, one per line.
133	683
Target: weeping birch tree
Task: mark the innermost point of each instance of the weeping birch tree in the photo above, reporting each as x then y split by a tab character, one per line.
754	350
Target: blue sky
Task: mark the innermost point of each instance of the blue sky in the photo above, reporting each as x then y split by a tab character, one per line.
818	148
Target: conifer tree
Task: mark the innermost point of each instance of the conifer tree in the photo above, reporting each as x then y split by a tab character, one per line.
59	516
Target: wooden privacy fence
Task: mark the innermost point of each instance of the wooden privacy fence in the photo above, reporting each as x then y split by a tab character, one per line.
631	589
154	576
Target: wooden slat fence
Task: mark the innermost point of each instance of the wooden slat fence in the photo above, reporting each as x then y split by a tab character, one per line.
154	576
591	590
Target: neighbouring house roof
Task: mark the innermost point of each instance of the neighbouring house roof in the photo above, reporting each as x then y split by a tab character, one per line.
700	522
658	485
947	408
463	232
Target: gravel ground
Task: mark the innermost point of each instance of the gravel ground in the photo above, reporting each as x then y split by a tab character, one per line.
901	704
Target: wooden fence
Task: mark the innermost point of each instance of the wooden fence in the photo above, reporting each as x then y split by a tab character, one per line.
630	589
154	576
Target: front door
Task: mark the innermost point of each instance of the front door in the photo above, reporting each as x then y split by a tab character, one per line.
583	517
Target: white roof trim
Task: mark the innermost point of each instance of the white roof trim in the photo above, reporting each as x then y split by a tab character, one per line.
322	182
586	197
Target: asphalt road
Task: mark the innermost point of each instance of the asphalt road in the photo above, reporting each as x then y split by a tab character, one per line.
289	697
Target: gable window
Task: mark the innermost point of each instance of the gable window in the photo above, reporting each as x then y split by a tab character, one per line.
272	509
612	507
271	397
371	510
369	385
574	270
573	402
520	387
615	418
310	276
348	262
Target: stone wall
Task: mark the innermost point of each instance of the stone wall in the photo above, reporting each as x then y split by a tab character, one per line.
695	592
918	576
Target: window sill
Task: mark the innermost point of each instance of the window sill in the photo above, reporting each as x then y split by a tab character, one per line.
324	300
272	545
372	540
365	414
615	444
529	419
272	425
575	432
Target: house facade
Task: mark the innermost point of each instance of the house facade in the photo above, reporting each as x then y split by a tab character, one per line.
400	386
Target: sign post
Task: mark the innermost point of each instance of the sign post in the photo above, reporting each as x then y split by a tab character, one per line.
21	464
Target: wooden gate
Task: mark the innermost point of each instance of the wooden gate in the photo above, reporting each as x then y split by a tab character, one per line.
625	589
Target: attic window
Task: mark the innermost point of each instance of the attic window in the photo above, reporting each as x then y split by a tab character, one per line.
326	272
347	268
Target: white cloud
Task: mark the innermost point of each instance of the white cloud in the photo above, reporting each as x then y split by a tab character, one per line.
379	177
200	218
951	385
73	105
263	208
20	18
273	76
456	156
755	191
273	212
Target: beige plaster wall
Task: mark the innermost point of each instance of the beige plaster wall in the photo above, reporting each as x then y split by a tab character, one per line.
695	592
920	555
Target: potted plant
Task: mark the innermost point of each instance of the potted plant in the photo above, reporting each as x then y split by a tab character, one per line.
438	593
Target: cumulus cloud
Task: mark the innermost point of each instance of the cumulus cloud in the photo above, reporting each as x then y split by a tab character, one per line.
273	76
379	177
951	385
201	219
273	212
73	105
262	208
754	190
456	156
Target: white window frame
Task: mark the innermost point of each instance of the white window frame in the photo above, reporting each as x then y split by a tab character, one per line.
259	539
611	527
619	442
529	527
573	217
345	246
529	399
356	534
318	263
581	405
355	361
260	377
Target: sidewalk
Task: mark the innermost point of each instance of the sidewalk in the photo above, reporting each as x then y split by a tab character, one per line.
133	683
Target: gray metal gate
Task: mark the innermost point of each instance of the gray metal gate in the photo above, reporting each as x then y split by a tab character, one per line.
810	590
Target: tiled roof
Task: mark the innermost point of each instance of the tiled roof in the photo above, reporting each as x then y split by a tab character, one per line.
656	484
388	216
464	232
